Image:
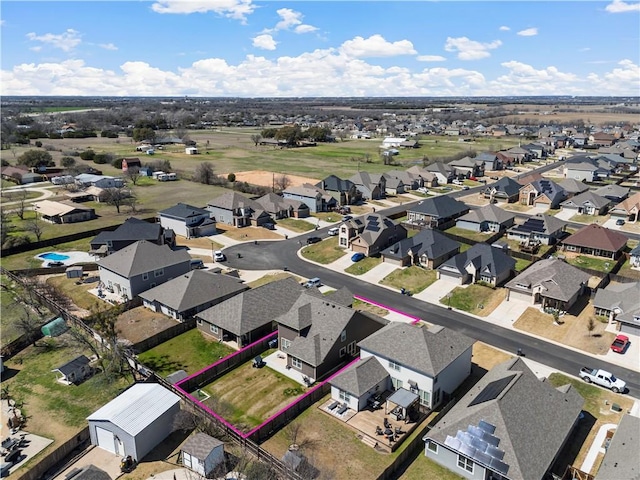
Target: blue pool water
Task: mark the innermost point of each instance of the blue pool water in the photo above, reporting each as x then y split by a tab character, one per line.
54	256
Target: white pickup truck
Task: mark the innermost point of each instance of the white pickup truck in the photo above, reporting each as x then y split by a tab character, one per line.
602	378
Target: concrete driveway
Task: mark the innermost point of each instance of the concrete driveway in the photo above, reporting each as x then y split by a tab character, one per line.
537	210
437	290
508	312
107	461
611	224
630	358
378	272
343	262
565	214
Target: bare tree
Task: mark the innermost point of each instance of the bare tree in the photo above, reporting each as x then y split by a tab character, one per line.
204	173
28	324
281	182
116	196
425	161
22	203
4	227
133	174
255	138
132	202
35	226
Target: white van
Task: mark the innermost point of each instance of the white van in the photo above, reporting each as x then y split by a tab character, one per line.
312	282
332	232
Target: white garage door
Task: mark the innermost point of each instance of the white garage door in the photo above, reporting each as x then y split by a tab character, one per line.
105	440
525	297
631	329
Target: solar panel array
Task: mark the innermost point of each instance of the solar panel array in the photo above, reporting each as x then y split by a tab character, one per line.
481	445
492	390
372	223
531	225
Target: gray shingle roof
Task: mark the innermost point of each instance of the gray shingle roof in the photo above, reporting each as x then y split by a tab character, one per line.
183	211
613	191
73	365
254	308
440	207
488	213
335	184
587	196
558	279
305	190
91	472
431	243
532	418
423	350
193	289
552	190
485	259
360	377
142	257
200	445
233	201
624	297
506	185
571	185
375	226
621	458
132	229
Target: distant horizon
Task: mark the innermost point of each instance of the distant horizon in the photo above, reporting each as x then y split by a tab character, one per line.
320	49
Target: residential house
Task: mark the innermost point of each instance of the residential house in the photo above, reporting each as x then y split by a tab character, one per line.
75	371
376	233
132	230
141	266
429	179
620	302
188	221
597	241
468	167
249	316
628	209
390	142
550	283
428	248
536	150
278	207
584	169
580	139
634	257
318	336
572	187
436	212
15	174
621	454
345	192
394	185
615	193
100	181
444	172
490	160
587	203
131	163
509	425
373	186
349	230
234	209
185	296
480	263
62	212
202	453
427	363
409	181
542	193
602	139
315	198
519	154
486	219
504	190
136	421
545	229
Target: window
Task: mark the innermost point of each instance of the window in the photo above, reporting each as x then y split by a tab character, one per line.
351	348
465	463
396	383
159	273
343	351
424	397
296	363
344	396
285	343
145	276
214	329
199	321
343	336
432	447
394	366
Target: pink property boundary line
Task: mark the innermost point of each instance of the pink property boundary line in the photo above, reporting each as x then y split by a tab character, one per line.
377	304
280	412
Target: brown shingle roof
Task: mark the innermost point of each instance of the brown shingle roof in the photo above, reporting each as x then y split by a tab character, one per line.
596	236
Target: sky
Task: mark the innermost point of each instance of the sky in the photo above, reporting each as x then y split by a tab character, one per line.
332	48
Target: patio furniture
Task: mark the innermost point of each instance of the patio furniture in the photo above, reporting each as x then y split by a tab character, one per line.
388	432
334	405
379	430
342	409
398	430
386	423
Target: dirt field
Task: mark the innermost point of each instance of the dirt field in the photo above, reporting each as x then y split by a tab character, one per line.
140	323
267	179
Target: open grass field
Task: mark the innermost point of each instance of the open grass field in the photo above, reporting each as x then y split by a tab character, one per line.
247	396
586	261
475	299
79	294
296	225
191	351
12	310
414	279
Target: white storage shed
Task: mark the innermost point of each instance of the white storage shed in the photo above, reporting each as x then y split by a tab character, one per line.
136	421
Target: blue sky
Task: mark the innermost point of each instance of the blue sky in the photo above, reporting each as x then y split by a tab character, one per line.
248	48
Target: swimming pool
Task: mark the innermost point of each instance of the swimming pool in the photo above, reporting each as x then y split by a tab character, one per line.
53	256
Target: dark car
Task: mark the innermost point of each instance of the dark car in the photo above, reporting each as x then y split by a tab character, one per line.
356	257
620	221
55	264
312	240
269	226
346	218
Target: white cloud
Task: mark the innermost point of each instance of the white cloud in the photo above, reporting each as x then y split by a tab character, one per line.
2	22
305	28
584	49
525	79
618	6
65	41
376	46
528	32
265	42
108	46
236	9
430	58
504	28
470	49
291	20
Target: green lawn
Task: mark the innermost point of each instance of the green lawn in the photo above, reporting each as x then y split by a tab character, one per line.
271	278
78	294
28	260
190	351
414	279
423	468
588	219
14	196
584	261
521	264
11	310
296	225
368	307
328	216
323	252
364	265
471	299
470	234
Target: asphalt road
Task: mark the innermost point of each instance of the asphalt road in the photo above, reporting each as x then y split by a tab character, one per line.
283	253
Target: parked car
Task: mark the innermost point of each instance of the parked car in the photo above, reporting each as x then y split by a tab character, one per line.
55	264
620	343
620	221
446	189
269	226
312	240
356	257
457	182
346	218
465	187
196	263
332	232
602	378
494	178
218	256
473	178
423	190
344	210
312	282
